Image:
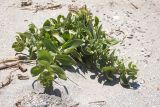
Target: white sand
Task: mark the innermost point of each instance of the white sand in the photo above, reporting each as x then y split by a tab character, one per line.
143	24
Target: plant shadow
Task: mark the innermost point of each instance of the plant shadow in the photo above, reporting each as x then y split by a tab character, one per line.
51	91
96	74
135	85
80	70
102	79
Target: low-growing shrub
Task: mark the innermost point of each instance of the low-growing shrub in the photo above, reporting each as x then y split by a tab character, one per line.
68	41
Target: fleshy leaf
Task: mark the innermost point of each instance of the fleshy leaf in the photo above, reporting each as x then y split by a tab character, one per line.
65	60
96	21
49	45
59	71
44	55
69	46
108	69
18	46
36	70
58	37
46	78
124	81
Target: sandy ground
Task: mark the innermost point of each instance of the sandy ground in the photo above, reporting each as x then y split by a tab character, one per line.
140	30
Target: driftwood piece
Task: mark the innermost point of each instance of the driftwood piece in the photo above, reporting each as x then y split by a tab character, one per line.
26	3
99	103
5	66
12	59
15	62
22	77
23	69
6	81
48	6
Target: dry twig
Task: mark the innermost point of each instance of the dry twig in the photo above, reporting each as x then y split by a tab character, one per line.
37	8
133	4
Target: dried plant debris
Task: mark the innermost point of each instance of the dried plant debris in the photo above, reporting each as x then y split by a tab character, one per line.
22	77
8	65
15	62
73	8
6	81
26	3
45	100
39	7
133	4
22	68
98	103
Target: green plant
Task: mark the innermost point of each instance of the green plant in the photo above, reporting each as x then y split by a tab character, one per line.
67	41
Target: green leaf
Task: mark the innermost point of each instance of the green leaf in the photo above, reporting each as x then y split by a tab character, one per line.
22	36
108	69
44	64
96	21
69	46
72	43
58	37
44	55
113	41
59	71
46	78
124	81
32	28
130	65
65	60
49	45
18	46
54	21
77	55
86	51
91	29
67	36
36	70
60	18
47	23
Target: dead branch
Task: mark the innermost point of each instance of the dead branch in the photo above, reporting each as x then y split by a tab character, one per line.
15	62
37	8
5	66
12	59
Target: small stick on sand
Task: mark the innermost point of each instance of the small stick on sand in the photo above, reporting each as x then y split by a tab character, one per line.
73	81
133	4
